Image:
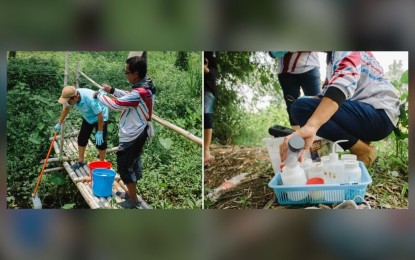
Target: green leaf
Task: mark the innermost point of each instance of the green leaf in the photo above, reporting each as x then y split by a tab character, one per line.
404	77
166	143
163	185
68	206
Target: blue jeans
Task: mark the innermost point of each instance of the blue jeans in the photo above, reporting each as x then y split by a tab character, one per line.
309	81
354	120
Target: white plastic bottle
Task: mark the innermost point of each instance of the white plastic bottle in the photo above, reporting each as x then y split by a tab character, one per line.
306	165
292	173
352	171
348	156
334	168
316	170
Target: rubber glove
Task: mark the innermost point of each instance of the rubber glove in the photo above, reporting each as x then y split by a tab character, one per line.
99	138
58	128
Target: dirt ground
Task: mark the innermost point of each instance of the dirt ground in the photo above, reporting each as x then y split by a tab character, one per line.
254	193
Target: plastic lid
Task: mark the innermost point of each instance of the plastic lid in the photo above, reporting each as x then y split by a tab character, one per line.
296	143
315	181
348	156
351	163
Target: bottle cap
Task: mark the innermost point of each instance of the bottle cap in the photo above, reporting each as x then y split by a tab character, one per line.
296	143
315	181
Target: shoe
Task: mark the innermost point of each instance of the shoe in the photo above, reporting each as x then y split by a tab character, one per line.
77	165
128	204
123	195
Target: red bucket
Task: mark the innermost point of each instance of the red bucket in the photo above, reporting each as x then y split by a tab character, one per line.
98	165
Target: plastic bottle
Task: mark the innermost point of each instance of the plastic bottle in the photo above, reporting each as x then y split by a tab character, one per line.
316	170
292	173
295	145
334	168
348	156
352	171
306	165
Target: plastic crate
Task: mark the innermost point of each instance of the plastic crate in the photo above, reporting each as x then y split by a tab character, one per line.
319	194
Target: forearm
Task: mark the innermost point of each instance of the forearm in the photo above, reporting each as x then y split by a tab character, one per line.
64	113
100	122
323	113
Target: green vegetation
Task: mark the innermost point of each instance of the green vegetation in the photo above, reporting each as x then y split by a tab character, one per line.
172	173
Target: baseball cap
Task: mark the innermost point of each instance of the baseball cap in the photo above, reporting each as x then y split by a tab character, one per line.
67	93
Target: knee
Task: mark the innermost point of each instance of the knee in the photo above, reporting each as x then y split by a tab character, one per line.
302	109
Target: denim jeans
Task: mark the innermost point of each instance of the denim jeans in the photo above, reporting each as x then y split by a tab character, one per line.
354	120
309	81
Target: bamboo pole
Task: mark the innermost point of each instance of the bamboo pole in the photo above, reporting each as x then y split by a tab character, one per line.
75	133
65	82
179	130
161	121
50	160
53	169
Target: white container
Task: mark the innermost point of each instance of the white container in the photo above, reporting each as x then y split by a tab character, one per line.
306	165
273	147
348	156
295	145
294	176
324	159
316	170
352	171
334	173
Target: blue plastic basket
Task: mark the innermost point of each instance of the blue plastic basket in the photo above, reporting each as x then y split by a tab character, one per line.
319	194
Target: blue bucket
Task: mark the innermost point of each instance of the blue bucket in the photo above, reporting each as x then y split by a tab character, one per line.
102	182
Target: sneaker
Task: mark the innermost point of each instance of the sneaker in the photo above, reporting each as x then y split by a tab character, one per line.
123	195
128	204
77	165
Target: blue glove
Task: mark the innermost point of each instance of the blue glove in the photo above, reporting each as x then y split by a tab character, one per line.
99	139
58	128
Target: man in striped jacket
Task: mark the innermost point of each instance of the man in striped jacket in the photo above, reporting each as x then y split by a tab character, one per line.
357	104
134	125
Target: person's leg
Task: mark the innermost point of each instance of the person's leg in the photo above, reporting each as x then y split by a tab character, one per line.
125	157
84	133
357	122
102	149
290	86
311	82
209	99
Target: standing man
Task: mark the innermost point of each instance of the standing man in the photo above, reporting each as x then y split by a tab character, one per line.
210	93
134	125
94	114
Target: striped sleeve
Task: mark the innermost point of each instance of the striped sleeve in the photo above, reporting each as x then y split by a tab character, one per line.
128	100
346	72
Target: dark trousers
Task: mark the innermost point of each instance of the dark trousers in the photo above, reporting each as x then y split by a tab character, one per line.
309	81
129	158
353	121
85	133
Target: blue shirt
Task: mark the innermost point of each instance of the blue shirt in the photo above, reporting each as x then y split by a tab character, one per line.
90	107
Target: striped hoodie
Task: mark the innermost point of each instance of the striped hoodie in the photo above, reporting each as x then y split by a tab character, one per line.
359	76
298	62
136	106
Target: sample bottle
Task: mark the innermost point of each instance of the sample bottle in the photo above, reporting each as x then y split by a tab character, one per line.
352	171
292	173
334	168
295	145
306	165
348	156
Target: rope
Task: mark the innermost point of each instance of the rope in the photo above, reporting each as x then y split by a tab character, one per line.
44	165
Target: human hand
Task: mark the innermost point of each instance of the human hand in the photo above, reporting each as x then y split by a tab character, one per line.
106	87
58	128
307	132
99	138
